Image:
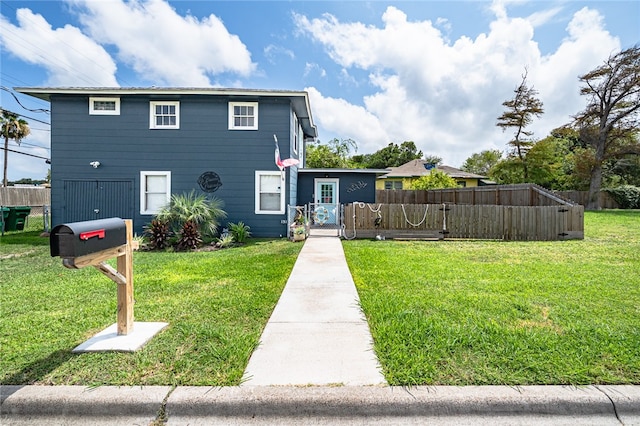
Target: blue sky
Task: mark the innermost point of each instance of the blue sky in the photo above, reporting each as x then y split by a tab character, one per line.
434	72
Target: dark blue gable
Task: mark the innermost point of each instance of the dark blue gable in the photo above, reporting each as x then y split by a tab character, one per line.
201	150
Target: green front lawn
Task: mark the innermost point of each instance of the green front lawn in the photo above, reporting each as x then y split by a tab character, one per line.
484	312
216	304
449	312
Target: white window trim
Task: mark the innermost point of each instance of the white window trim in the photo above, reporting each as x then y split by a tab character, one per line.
152	114
296	134
232	125
257	191
143	198
93	99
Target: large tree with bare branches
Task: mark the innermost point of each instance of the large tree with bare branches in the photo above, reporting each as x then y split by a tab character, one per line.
610	122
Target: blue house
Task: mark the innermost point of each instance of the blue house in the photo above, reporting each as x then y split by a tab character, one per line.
123	151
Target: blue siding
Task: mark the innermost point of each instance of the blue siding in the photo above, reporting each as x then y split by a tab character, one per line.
353	186
124	145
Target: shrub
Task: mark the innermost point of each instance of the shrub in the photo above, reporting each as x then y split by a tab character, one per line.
158	234
190	237
627	196
239	231
205	214
225	241
434	180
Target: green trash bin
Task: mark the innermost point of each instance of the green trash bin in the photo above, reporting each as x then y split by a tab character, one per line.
17	218
5	217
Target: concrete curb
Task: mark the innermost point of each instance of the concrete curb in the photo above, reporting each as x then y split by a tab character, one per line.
323	405
75	404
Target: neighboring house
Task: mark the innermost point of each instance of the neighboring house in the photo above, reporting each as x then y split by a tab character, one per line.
401	177
124	151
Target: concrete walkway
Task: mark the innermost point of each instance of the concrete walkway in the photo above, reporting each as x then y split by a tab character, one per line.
317	334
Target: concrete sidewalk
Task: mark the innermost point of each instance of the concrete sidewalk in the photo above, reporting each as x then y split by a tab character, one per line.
317	334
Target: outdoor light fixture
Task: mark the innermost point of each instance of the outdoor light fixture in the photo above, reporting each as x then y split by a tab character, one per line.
95	164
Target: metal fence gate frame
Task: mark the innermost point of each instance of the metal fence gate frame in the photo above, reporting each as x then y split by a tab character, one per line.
316	216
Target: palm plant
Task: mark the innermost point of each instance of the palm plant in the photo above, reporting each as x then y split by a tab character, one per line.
12	128
240	231
203	214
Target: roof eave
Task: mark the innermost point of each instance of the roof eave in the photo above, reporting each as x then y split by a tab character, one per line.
299	99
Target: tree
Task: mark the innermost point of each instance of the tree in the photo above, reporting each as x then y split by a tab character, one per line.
434	180
332	155
549	161
391	155
508	171
480	163
609	122
434	160
12	128
518	115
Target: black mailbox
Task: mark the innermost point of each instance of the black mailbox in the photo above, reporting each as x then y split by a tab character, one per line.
77	239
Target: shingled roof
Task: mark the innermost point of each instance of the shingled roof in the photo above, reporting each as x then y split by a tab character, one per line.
417	168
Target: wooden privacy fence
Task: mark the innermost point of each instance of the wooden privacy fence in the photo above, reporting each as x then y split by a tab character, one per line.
35	196
605	201
502	195
438	221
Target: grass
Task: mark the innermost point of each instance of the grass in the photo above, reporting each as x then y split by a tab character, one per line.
216	304
517	313
449	312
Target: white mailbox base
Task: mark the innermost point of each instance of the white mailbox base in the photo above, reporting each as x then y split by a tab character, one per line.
110	340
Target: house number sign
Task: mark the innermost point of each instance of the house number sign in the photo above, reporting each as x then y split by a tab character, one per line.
209	182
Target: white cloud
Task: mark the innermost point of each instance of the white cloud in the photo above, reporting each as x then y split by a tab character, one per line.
346	121
70	57
167	48
446	96
346	79
540	18
271	52
312	67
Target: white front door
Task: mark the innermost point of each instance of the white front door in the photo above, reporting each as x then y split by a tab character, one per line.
326	202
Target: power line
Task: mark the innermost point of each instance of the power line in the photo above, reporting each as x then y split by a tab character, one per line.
22	115
47	160
23	143
6	89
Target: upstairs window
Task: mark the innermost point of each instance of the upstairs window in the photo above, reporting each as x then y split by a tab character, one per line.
164	115
104	106
243	116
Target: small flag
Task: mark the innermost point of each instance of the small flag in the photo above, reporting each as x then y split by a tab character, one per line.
287	162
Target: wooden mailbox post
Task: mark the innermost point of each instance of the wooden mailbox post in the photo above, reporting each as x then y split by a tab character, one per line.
72	241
